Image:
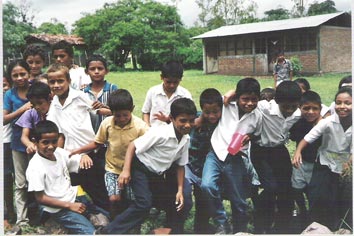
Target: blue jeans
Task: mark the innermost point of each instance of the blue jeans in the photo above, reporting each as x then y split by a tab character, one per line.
233	173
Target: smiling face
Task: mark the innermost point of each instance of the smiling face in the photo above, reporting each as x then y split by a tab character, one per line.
311	111
36	64
211	113
183	124
41	105
247	102
20	76
47	145
59	83
343	105
96	71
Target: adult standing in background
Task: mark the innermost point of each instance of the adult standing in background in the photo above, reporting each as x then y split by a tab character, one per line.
283	70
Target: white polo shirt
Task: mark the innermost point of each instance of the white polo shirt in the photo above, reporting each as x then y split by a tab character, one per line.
336	144
53	177
275	128
73	119
230	122
79	77
156	100
158	148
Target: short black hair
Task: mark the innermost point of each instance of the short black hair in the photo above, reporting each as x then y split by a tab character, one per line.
55	67
304	82
33	50
96	57
19	62
172	69
248	85
344	89
182	106
120	99
267	94
310	96
63	45
210	96
38	90
287	91
345	80
44	127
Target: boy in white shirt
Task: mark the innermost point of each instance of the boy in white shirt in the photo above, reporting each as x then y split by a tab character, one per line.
48	176
147	160
271	158
156	108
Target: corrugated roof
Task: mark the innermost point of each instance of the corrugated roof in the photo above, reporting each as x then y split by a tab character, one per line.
52	39
267	26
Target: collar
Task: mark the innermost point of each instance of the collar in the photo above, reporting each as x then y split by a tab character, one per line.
73	93
106	87
127	126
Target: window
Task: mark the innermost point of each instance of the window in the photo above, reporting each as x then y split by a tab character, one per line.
300	41
260	44
230	47
222	48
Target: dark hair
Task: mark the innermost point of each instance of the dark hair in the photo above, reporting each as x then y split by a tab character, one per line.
33	50
59	67
44	127
267	94
20	62
247	86
172	69
345	80
63	45
310	96
120	99
8	80
96	57
183	106
304	82
287	91
38	90
344	89
210	96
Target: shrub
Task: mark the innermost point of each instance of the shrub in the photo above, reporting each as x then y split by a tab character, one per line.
297	66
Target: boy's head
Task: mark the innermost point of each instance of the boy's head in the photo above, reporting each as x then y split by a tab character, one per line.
59	79
287	96
303	84
310	106
211	104
267	94
345	81
96	67
63	53
39	95
35	58
280	57
182	115
6	84
171	75
46	136
343	102
121	104
247	94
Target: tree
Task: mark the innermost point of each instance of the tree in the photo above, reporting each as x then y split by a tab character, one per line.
205	6
299	8
52	27
325	7
277	14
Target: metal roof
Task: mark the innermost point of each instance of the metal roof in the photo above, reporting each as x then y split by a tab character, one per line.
267	26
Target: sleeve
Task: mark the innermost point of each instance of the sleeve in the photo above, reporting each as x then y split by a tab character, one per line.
290	65
143	127
52	117
72	163
7	101
147	103
258	127
114	87
26	120
101	135
145	142
316	131
35	178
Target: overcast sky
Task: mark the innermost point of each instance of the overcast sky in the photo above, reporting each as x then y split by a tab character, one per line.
68	11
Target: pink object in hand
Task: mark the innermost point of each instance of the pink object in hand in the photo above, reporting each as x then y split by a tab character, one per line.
235	144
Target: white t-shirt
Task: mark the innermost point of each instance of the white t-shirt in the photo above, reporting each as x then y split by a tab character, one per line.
73	119
336	145
79	78
275	128
158	148
53	177
156	100
250	123
6	133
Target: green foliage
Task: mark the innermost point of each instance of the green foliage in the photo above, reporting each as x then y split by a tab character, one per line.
325	7
297	66
276	14
53	27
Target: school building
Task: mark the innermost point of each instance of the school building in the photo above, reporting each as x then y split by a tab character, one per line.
322	43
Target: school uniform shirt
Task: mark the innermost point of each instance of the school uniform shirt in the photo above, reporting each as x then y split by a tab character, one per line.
78	77
275	128
230	122
73	119
52	177
158	148
118	140
336	144
157	101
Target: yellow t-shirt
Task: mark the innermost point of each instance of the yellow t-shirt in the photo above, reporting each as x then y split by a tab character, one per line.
118	140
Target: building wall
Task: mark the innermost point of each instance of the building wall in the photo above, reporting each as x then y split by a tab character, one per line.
308	59
335	44
243	65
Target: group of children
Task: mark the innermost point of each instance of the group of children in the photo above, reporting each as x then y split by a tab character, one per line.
127	165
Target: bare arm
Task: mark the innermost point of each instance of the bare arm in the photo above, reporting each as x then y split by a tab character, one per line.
146	118
25	139
85	149
124	177
291	75
297	159
275	81
8	117
44	199
180	182
61	140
